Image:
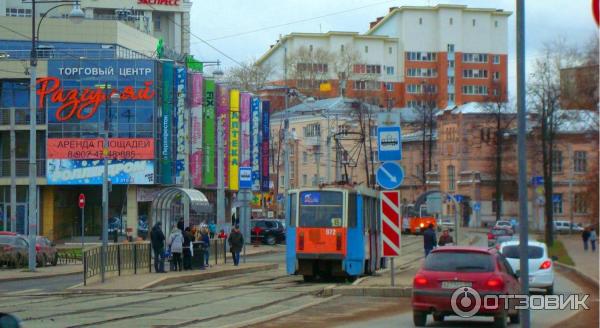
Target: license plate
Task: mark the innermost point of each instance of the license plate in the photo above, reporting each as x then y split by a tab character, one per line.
455	284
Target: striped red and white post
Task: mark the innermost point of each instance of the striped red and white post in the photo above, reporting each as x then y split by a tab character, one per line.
390	226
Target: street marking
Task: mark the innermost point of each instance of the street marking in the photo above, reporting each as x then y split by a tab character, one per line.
25	291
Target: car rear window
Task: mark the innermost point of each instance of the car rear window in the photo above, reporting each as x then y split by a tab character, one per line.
7	239
459	262
512	252
499	232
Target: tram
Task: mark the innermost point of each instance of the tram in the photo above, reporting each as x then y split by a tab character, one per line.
333	232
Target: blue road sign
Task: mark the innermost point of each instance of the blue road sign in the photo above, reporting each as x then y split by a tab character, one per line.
245	177
389	143
536	181
556	198
477	207
390	175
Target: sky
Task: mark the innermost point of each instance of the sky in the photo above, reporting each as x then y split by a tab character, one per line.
235	20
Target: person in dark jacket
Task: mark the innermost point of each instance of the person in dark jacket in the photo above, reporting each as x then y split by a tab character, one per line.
157	239
585	236
180	224
429	239
205	238
188	238
236	242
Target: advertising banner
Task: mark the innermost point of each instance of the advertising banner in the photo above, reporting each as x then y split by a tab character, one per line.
245	129
180	119
195	95
89	172
166	153
234	139
223	119
208	134
255	142
82	148
264	151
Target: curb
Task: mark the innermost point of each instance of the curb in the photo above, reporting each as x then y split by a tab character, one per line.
369	291
163	281
583	276
40	277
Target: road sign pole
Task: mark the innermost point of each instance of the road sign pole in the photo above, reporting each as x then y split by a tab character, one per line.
82	226
393	272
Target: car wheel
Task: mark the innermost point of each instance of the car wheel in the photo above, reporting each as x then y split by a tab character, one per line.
438	317
515	319
271	240
500	320
419	318
550	290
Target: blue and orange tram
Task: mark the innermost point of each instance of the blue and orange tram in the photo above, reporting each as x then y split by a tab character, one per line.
333	232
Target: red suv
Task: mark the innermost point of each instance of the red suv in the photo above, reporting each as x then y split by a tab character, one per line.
454	277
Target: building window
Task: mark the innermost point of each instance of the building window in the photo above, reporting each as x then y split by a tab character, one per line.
451	177
157	23
557	204
451	80
495	23
18	12
473	22
304	157
451	63
421	72
312	130
420	88
389	70
390	50
450	47
373	69
474	58
557	161
310	47
342	48
304	180
389	86
451	21
281	181
496	76
421	56
475	73
480	90
580	203
420	21
312	67
580	161
367	85
314	180
366	49
451	97
496	59
495	92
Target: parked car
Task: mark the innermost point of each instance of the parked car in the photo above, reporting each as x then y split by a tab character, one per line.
46	251
447	269
495	232
503	224
566	227
502	239
268	231
13	250
541	267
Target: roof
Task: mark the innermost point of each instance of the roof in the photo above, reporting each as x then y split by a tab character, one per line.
397	10
417	136
577	121
332	106
329	34
475	108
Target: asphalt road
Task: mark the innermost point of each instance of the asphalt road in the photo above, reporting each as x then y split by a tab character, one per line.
41	285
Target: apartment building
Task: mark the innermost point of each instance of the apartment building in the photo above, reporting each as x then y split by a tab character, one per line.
447	55
168	20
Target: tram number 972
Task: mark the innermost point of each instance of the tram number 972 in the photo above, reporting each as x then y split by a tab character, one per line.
329	232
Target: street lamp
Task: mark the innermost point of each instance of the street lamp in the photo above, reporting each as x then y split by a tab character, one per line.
32	214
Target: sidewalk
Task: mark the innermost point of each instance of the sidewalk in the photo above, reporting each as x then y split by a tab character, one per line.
148	280
586	262
43	272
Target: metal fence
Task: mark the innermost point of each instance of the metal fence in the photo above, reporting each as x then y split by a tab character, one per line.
120	258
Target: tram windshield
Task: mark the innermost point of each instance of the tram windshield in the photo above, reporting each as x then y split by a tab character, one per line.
321	209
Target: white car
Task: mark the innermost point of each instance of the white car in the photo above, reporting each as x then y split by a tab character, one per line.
566	227
503	224
541	267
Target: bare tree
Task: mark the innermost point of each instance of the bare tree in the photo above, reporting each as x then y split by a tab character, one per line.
345	65
427	106
309	67
249	76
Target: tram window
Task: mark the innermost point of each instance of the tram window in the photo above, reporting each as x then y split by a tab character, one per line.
321	209
293	198
352	211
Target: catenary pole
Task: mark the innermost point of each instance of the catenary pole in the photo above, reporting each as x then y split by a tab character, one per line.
31	228
521	118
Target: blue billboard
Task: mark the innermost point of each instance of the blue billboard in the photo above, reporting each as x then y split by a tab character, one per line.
89	172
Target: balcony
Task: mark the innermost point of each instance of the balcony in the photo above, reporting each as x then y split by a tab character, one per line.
21	116
22	167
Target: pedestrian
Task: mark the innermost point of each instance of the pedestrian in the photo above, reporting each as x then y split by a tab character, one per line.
445	238
593	238
585	236
188	238
180	224
157	239
212	229
222	234
429	239
236	242
176	247
205	238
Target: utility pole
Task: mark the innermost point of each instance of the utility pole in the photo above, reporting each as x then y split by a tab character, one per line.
105	153
521	119
13	177
221	221
328	151
318	158
32	195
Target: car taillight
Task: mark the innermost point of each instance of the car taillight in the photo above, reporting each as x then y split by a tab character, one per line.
494	283
420	281
257	230
338	241
37	247
546	265
301	242
490	235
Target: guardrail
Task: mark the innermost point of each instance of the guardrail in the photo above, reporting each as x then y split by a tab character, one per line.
120	258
